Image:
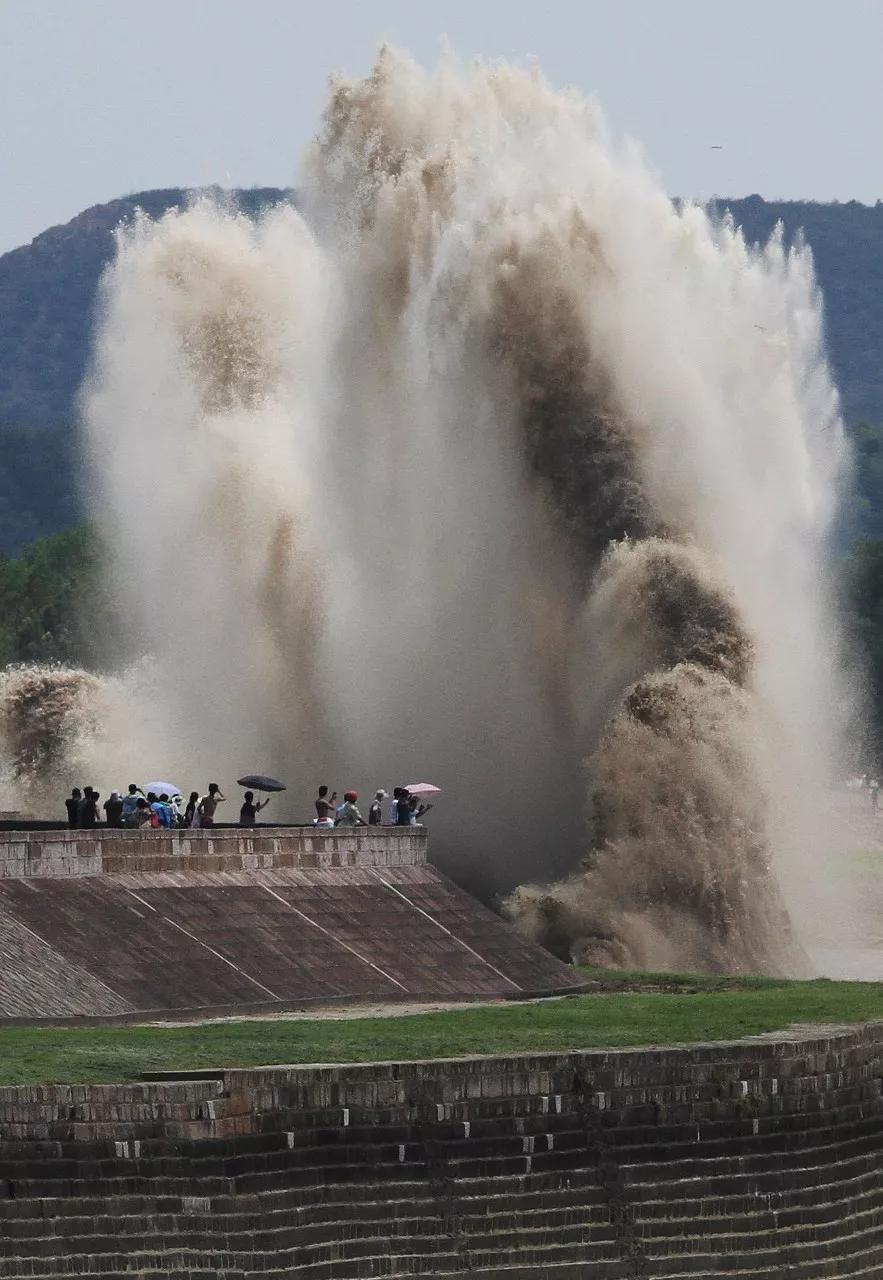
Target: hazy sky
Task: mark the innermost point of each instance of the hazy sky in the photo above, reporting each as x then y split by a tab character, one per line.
104	97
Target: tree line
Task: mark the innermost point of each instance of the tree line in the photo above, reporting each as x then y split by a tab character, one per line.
55	603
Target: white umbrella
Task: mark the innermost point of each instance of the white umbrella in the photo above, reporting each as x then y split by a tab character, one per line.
423	789
162	788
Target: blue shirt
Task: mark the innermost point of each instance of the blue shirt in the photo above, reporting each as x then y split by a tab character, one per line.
163	812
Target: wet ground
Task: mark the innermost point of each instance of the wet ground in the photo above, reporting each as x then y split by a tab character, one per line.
852	946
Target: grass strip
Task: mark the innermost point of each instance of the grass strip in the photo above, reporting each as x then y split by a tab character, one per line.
123	1053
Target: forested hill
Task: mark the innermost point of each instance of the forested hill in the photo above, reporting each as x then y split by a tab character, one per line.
47	297
847	245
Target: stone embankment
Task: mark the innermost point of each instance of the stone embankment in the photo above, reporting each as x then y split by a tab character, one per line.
116	924
754	1159
58	853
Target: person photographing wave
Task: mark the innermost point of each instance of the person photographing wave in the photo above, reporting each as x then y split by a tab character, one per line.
208	804
325	806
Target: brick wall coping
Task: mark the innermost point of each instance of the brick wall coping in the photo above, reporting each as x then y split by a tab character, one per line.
738	1068
109	850
804	1043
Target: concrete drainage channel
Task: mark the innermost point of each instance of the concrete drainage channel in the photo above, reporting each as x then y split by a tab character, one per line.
759	1158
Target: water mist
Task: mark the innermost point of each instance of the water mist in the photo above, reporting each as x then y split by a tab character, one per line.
490	465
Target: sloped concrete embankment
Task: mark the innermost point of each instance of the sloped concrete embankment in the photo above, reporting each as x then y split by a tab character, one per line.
110	925
753	1159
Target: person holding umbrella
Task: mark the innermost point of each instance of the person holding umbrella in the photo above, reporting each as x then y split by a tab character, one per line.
417	793
260	782
249	811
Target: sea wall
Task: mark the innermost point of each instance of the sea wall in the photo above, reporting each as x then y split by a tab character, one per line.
108	851
117	925
749	1159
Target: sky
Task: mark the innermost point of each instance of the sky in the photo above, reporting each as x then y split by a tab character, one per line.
101	98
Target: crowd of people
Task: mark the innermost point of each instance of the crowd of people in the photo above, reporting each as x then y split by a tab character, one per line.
405	810
138	809
148	809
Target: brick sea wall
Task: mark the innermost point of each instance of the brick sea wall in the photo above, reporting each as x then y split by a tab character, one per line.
754	1159
108	851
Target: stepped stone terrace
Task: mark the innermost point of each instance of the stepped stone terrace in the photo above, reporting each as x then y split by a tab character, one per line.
753	1161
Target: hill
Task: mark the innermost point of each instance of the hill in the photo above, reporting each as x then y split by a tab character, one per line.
47	297
847	245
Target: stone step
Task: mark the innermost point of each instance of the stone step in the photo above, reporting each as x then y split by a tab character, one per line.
280	1154
763	1141
494	1268
680	1210
426	1236
698	1166
716	1185
155	1199
826	1223
151	1197
567	1208
745	1244
843	1269
549	1151
155	1139
340	1262
863	1265
158	1125
849	1253
277	1231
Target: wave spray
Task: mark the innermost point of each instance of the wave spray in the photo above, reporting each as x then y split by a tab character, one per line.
487	463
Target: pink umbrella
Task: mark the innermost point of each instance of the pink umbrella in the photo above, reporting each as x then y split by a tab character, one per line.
423	789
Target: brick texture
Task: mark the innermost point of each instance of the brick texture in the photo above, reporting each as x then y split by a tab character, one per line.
753	1160
62	853
37	982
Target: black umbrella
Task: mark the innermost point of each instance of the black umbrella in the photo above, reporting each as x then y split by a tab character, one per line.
260	782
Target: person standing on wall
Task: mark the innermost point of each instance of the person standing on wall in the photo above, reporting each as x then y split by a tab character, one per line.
325	804
375	813
72	804
159	812
113	810
143	813
403	808
348	815
130	804
87	814
249	811
208	804
190	817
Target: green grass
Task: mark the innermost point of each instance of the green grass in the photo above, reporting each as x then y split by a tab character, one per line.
724	1009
